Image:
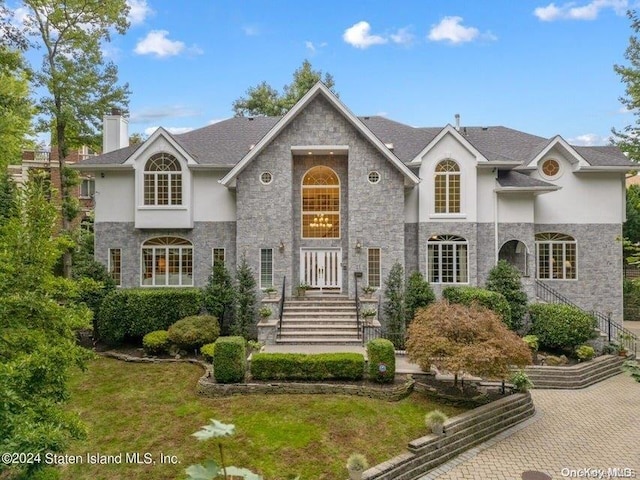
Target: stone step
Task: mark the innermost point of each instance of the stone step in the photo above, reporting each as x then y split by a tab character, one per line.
318	308
318	321
319	341
572	375
320	314
574	385
318	305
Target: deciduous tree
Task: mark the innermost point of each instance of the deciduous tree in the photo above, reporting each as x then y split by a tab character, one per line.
461	339
264	100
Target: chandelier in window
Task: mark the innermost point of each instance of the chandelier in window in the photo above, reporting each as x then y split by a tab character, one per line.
321	221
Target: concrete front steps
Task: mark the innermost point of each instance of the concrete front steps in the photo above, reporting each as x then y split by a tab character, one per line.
575	376
462	432
321	320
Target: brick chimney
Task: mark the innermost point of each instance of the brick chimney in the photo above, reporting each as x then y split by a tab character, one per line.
115	131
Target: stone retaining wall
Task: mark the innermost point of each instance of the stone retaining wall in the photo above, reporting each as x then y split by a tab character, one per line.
394	393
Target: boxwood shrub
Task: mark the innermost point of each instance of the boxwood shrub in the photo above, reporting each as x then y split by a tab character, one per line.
156	343
299	366
207	351
561	326
132	313
229	360
382	360
492	300
190	333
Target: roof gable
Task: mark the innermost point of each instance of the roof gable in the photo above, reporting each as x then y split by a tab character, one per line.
560	143
449	130
160	133
318	89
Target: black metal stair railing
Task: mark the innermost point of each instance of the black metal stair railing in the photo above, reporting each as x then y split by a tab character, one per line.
281	306
614	331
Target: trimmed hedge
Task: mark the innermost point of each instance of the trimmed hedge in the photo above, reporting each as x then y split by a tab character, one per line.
561	326
299	366
190	333
207	351
381	352
230	360
157	342
132	313
492	300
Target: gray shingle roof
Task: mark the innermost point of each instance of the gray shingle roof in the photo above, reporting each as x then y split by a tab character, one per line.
520	180
227	142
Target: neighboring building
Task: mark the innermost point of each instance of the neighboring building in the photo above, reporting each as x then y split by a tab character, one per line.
47	162
319	194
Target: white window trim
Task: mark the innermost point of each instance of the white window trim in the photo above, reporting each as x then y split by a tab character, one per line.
91	195
262	181
369	177
153	265
447	214
109	265
551	177
224	254
260	269
455	262
303	213
564	243
379	268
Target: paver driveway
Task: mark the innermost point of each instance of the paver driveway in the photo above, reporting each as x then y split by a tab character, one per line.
594	428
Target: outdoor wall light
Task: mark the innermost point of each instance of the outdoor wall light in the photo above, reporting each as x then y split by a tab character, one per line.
358	246
281	246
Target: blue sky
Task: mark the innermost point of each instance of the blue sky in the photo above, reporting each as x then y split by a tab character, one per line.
545	68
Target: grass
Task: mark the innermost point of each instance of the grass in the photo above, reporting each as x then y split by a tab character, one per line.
149	408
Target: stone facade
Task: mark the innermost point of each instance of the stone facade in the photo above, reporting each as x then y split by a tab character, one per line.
270	214
205	236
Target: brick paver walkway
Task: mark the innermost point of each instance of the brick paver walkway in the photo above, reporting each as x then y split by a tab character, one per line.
594	428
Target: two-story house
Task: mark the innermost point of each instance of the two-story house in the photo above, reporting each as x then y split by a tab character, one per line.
319	194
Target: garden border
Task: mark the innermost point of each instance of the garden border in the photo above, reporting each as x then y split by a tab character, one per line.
577	376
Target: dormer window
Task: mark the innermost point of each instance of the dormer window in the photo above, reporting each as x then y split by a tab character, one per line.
447	187
162	180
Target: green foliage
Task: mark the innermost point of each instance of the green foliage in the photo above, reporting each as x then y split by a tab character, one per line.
230	360
16	109
393	306
207	351
629	138
631	228
263	99
7	196
210	469
265	312
504	278
531	341
494	301
357	463
631	299
156	343
191	333
298	366
132	313
561	326
632	368
218	297
419	294
246	301
435	417
381	352
37	340
520	380
585	352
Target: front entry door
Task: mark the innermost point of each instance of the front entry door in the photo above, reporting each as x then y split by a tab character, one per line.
321	269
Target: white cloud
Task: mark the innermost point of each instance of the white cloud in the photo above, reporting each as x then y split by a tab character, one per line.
589	140
403	36
251	30
570	11
155	114
450	29
313	48
173	130
215	120
156	43
359	36
139	10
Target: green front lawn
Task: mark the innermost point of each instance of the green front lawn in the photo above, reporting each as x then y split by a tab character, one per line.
154	409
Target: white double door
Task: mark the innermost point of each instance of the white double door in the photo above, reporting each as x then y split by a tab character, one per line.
321	268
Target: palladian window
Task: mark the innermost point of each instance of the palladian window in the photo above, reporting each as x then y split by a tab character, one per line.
447	187
447	259
320	203
557	259
162	180
167	261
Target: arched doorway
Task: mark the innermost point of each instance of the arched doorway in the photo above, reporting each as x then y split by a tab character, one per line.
515	252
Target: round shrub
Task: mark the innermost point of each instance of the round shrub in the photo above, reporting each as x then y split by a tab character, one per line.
561	326
585	352
382	360
191	333
156	343
230	360
494	301
207	351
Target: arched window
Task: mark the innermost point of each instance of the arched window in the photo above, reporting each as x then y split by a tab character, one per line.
447	187
320	203
447	259
557	259
162	180
167	261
